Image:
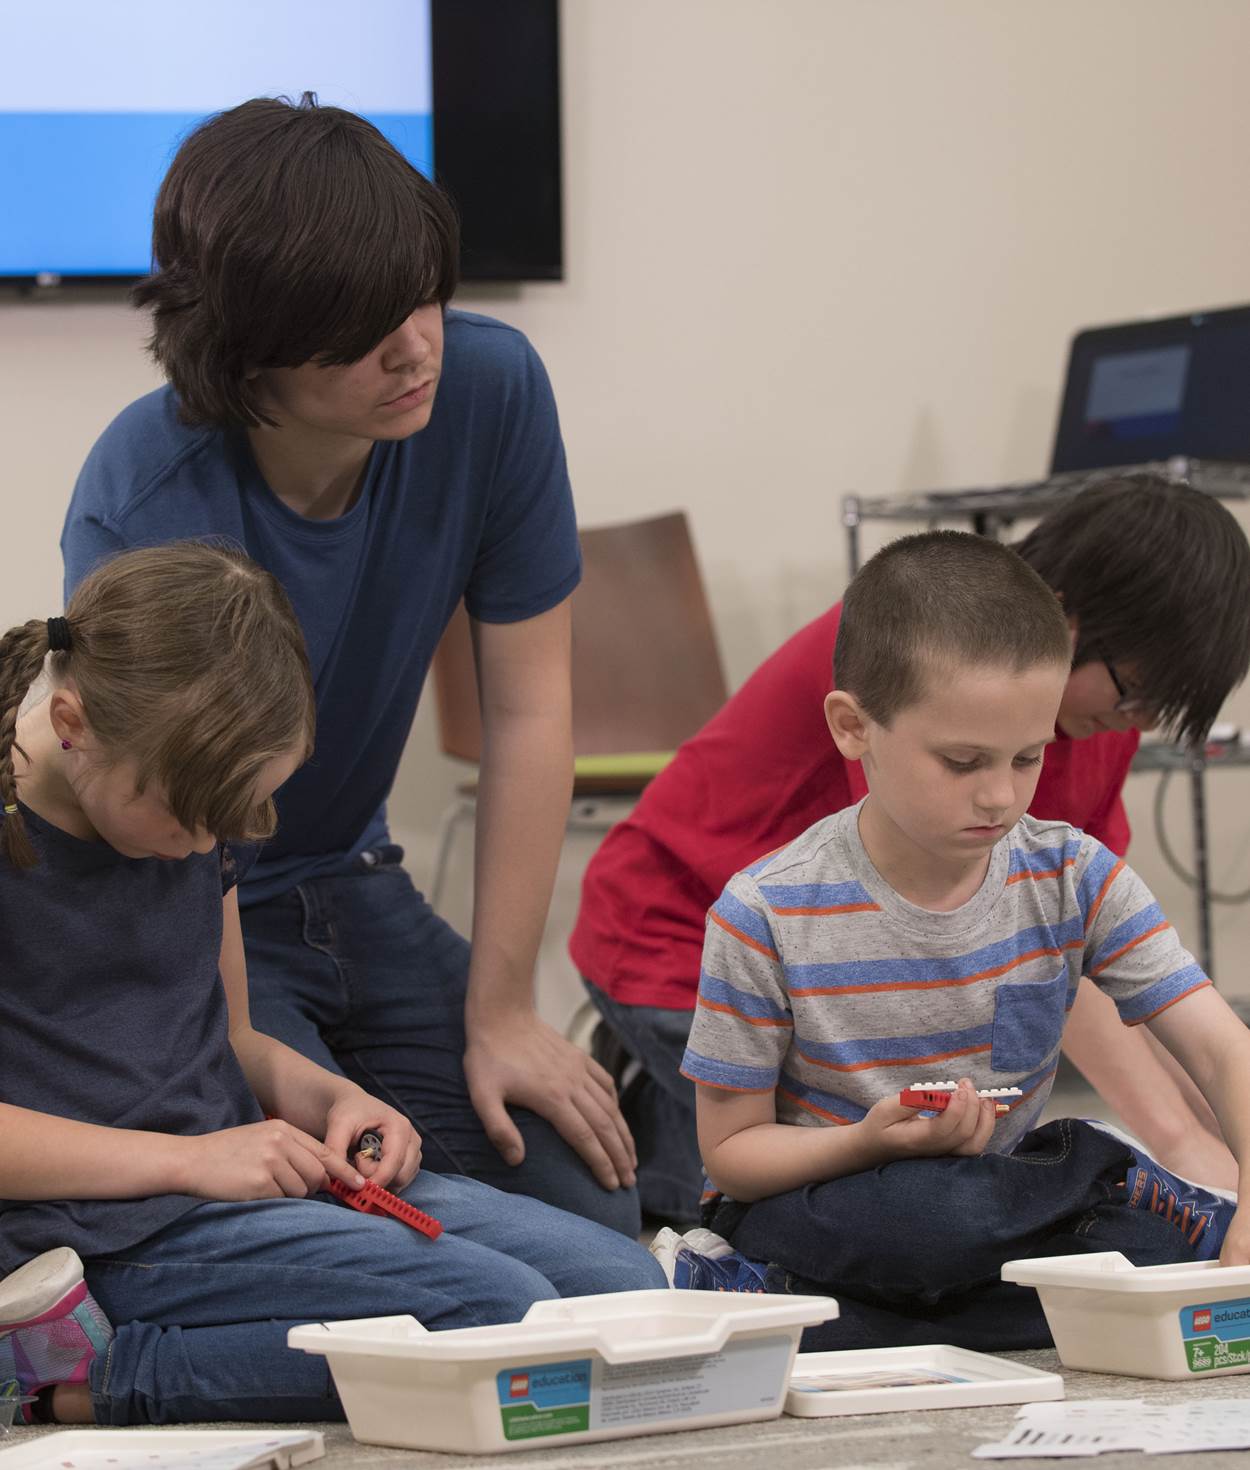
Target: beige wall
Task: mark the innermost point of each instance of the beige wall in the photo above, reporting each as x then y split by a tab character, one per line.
813	246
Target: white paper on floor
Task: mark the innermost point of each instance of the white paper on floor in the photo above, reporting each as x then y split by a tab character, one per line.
1095	1426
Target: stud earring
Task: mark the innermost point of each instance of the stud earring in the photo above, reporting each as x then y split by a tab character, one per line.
65	745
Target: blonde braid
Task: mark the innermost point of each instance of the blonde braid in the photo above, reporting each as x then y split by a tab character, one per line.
22	653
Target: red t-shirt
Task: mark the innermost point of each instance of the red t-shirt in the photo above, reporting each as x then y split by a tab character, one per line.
759	773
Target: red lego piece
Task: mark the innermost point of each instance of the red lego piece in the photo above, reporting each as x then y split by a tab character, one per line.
372	1199
937	1099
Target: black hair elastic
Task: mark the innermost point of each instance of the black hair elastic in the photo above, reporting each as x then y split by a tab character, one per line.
59	640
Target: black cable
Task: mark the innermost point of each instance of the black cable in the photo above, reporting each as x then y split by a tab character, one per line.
1169	856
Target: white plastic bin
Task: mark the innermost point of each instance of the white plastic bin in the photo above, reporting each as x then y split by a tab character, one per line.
1108	1316
585	1368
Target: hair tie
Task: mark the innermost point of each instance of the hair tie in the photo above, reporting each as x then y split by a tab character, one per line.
59	640
10	809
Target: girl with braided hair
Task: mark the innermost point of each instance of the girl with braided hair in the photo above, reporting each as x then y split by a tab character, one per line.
160	1234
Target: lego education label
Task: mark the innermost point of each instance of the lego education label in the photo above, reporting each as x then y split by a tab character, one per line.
542	1399
1216	1335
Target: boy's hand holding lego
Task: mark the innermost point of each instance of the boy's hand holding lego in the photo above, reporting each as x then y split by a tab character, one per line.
749	1155
900	1132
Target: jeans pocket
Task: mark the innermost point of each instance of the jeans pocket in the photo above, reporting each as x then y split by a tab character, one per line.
1028	1022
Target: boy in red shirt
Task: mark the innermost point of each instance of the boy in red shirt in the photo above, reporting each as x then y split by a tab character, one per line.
1155	578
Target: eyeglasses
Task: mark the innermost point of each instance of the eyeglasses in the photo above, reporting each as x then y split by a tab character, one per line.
1128	702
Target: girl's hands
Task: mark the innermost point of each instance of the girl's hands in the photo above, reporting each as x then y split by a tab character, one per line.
401	1143
261	1161
964	1128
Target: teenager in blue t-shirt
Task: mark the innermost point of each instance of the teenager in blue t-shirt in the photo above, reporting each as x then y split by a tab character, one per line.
384	457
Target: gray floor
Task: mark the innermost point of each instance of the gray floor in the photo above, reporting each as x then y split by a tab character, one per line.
920	1440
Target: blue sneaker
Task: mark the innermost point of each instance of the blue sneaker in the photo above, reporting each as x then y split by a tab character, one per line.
1200	1212
1201	1215
701	1260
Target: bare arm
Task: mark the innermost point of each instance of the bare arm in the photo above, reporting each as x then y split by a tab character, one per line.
46	1157
286	1084
1153	1096
748	1155
323	1107
1206	1037
523	801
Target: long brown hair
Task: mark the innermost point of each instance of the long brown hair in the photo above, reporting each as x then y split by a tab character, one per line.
189	661
285	232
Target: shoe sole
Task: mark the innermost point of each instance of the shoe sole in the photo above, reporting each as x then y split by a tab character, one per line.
36	1287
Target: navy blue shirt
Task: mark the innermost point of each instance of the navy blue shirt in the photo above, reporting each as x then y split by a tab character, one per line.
476	505
112	1011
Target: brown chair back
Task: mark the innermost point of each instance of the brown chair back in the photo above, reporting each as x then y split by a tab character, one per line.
646	669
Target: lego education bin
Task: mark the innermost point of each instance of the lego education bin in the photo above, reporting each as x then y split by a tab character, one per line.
1189	1321
572	1371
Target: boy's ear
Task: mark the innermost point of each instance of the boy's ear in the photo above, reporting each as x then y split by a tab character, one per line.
1074	628
848	724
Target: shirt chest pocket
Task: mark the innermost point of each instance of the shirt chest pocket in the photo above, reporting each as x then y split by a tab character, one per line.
1028	1022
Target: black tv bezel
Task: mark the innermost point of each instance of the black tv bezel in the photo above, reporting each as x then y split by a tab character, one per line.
502	167
1125	337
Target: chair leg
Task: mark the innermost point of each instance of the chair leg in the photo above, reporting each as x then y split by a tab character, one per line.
462	807
581	1024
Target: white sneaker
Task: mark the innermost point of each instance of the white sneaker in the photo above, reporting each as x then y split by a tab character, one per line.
667	1243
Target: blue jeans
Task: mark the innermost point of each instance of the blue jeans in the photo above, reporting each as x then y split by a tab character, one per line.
202	1308
658	1106
912	1250
361	975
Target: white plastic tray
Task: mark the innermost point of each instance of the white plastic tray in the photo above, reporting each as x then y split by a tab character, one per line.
1189	1321
166	1449
874	1380
580	1369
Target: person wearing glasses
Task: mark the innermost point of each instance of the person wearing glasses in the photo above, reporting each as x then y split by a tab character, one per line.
1154	577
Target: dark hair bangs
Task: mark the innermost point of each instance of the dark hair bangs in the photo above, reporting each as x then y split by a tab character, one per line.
374	240
1157	576
287	233
1185	669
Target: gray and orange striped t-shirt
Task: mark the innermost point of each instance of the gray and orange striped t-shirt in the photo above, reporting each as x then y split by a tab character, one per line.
822	985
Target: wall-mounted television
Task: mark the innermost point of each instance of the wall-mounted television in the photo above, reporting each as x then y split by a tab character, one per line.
95	98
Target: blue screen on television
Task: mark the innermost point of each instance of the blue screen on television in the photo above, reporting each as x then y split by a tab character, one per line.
95	98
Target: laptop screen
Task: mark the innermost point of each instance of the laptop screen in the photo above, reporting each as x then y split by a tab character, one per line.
1148	390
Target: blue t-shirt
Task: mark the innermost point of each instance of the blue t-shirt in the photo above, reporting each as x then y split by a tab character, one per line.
476	505
112	1011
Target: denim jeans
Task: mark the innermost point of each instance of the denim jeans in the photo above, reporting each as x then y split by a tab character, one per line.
912	1250
202	1308
658	1106
361	975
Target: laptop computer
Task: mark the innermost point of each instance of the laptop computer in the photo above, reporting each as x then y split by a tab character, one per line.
1148	390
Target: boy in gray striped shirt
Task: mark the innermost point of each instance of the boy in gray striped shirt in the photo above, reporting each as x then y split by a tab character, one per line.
935	931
